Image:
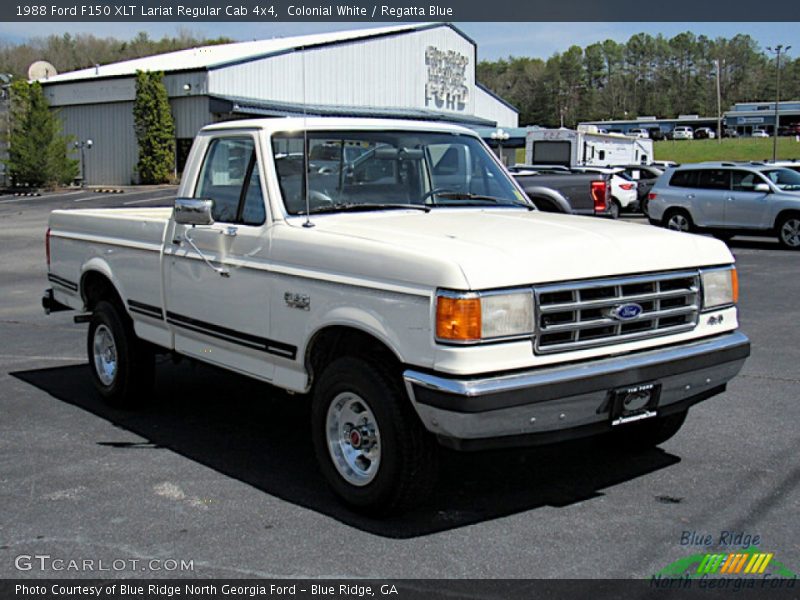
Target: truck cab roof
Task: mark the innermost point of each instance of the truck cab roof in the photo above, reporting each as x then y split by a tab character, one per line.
272	125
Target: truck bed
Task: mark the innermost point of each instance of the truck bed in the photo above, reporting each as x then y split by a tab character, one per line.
110	240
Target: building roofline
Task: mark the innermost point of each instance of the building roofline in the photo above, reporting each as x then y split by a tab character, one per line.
411	28
502	101
281	109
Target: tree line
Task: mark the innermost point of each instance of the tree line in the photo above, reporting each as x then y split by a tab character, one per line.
71	52
647	75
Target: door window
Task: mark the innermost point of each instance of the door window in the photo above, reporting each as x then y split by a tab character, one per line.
714	179
229	178
745	181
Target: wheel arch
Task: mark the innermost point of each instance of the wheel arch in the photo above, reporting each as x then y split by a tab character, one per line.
97	283
783	214
346	339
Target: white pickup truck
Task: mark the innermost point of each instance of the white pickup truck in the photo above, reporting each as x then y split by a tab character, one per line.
397	274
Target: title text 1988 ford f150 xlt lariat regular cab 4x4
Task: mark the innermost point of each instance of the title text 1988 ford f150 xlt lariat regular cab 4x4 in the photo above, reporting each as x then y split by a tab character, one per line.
396	272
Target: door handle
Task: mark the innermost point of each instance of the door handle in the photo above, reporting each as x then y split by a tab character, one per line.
222	272
690	196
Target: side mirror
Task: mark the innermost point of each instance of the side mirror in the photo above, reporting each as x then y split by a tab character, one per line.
763	188
192	211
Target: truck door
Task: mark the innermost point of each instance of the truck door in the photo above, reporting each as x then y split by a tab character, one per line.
217	292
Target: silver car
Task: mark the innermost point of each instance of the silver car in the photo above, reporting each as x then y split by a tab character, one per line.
729	199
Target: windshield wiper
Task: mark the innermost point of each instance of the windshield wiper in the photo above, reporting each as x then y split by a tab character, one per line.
367	206
482	198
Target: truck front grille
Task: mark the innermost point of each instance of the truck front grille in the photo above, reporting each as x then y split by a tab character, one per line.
584	314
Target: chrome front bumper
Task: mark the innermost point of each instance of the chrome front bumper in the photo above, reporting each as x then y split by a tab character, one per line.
556	403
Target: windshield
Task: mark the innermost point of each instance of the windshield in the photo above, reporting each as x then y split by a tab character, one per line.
389	169
785	179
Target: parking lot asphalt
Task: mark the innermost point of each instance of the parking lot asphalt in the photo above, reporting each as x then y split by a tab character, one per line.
219	470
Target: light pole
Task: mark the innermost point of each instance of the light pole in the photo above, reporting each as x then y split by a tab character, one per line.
777	51
83	145
719	106
500	136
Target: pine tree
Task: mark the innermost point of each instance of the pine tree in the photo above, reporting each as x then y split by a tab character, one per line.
38	152
155	128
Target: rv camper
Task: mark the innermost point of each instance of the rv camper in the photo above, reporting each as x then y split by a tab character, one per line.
586	147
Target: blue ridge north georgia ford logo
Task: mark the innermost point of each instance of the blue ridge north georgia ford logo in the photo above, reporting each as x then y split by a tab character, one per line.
625	312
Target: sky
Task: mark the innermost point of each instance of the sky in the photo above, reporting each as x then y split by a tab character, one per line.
495	40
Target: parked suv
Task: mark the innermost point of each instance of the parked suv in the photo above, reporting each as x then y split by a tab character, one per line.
729	199
683	133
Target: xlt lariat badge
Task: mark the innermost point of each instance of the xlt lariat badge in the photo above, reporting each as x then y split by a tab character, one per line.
301	301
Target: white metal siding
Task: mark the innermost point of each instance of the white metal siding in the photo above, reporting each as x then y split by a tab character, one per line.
190	114
112	157
488	107
121	89
384	72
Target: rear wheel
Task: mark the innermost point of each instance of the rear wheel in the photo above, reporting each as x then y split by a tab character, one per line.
789	232
647	434
678	220
371	447
614	208
122	366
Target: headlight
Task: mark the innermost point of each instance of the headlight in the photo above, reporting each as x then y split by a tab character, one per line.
720	287
473	317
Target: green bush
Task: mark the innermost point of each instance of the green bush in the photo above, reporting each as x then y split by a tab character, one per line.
155	129
38	152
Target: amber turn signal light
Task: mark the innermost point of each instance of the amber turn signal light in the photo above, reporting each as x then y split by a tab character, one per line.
458	319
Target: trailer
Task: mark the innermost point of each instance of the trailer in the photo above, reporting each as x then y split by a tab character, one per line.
586	147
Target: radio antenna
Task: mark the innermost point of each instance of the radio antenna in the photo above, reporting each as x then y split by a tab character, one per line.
306	152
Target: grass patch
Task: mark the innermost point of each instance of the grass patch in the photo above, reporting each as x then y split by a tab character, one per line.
691	151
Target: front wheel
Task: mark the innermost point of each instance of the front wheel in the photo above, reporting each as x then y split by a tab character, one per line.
370	445
122	366
789	232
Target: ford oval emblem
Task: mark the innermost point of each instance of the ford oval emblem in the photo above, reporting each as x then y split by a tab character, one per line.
626	312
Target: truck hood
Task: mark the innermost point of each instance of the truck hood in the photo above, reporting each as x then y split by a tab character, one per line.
507	247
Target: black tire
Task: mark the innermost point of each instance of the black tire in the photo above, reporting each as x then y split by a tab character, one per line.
636	437
132	380
614	208
408	461
788	230
674	216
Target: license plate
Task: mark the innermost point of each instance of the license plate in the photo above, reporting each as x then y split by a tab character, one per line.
634	403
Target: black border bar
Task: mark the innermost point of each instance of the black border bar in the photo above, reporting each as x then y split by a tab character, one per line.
247	340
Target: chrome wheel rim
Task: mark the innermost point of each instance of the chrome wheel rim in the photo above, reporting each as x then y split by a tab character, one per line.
678	223
105	355
353	439
790	233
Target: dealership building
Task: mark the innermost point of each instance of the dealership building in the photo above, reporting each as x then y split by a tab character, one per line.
743	117
416	71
